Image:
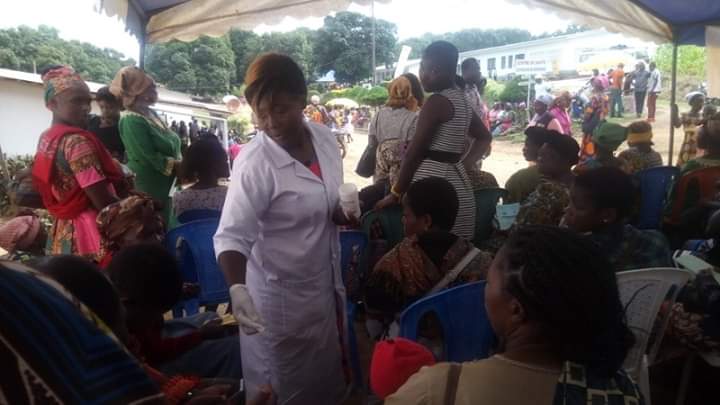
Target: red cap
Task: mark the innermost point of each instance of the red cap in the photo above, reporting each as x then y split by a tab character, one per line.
394	362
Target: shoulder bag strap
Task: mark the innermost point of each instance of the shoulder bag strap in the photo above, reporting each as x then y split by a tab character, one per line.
451	387
455	272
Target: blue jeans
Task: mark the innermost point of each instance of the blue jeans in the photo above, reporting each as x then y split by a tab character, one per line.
616	104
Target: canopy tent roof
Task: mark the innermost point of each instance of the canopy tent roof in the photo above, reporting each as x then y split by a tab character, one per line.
683	22
164	20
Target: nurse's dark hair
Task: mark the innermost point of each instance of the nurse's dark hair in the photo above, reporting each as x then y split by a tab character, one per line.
443	56
579	313
436	197
86	282
273	73
609	188
147	275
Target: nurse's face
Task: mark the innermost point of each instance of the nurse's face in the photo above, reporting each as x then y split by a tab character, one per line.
280	116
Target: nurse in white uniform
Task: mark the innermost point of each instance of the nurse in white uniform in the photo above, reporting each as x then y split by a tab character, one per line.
278	247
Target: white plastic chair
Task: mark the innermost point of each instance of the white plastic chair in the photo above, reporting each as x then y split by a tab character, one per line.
642	293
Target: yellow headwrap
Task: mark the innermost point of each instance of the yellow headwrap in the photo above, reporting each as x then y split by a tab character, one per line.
130	82
59	79
400	94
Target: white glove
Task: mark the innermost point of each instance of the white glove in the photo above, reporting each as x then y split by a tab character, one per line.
244	310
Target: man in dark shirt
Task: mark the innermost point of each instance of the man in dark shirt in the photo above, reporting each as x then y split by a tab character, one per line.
105	126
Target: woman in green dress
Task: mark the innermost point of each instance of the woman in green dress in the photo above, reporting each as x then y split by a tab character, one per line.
153	150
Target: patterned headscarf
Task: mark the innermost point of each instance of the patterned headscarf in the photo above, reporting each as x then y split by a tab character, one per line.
134	218
130	82
19	233
59	79
401	95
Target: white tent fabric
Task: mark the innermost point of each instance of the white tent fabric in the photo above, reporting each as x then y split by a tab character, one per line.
188	19
620	16
712	61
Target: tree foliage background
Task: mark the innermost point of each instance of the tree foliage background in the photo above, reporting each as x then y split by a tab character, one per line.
28	49
212	67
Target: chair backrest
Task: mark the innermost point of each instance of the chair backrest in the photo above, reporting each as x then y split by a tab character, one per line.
195	215
467	334
353	249
390	219
486	200
654	186
693	188
642	292
192	243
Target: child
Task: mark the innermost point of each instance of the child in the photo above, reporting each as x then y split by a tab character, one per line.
640	155
205	163
85	281
149	282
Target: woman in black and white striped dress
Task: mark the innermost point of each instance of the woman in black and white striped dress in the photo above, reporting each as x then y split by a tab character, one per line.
439	148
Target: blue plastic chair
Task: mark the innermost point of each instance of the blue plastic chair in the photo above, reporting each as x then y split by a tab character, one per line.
486	200
192	245
467	334
196	215
655	184
353	245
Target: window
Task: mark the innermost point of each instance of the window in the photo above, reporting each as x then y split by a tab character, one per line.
520	56
491	64
510	61
503	62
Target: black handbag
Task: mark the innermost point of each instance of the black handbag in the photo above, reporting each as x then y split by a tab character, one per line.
368	160
366	164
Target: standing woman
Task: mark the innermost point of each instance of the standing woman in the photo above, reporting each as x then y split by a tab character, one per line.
438	148
595	112
153	149
73	172
277	243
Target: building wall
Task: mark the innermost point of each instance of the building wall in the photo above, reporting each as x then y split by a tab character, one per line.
23	116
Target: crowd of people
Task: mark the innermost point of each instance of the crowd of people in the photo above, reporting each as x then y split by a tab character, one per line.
105	282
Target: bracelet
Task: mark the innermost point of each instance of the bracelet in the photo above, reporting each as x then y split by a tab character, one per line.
394	192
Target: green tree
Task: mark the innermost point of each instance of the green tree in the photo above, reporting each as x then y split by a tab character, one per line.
244	46
343	45
32	50
513	91
691	60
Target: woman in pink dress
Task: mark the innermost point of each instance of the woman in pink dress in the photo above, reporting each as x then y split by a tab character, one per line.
559	110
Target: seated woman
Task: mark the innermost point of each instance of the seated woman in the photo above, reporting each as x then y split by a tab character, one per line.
428	254
640	154
543	118
91	287
606	138
148	280
23	238
523	182
546	205
507	119
205	163
601	201
562	332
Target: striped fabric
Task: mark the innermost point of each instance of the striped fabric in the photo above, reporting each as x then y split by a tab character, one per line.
54	350
450	137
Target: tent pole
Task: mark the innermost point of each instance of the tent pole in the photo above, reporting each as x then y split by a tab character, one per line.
673	92
143	36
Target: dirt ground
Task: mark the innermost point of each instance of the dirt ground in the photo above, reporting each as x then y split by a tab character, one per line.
506	157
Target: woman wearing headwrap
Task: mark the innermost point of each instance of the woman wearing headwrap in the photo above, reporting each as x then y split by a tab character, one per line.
640	154
595	112
689	121
153	149
543	117
559	110
73	172
277	243
606	138
390	131
133	220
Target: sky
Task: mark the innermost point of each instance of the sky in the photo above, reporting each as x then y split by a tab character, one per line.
76	19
